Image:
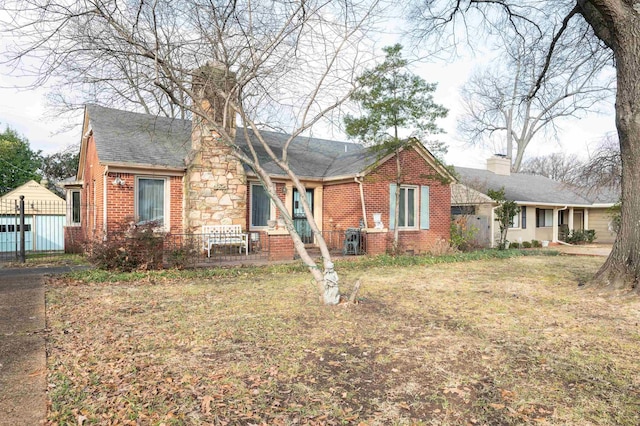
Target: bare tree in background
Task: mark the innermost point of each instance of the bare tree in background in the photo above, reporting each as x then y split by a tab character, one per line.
612	24
289	63
503	103
603	170
558	166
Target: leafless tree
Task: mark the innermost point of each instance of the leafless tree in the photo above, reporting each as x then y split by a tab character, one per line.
615	25
603	170
288	63
558	166
503	104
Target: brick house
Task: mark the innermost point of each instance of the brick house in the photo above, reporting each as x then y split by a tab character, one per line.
144	167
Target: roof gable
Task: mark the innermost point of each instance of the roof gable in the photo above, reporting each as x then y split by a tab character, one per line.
32	191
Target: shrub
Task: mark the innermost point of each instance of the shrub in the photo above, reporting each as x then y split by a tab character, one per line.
577	236
535	243
463	235
515	245
183	254
526	244
127	247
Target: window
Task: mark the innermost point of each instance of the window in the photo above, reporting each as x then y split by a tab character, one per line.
15	228
408	205
75	207
261	210
413	209
515	221
544	218
151	200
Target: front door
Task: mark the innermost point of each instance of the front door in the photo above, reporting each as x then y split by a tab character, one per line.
300	222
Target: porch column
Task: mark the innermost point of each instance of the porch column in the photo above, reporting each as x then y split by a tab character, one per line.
492	230
585	219
571	219
554	231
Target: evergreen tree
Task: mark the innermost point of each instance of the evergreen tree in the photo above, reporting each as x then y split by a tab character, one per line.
393	100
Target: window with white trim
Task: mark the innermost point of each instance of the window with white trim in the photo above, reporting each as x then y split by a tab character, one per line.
261	208
75	208
152	200
408	207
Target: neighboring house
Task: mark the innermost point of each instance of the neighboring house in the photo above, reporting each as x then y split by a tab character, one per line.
44	219
547	207
142	167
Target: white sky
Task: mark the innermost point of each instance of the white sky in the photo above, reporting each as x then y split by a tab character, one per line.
26	112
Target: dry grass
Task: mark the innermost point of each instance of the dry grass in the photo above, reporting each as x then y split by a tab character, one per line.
493	342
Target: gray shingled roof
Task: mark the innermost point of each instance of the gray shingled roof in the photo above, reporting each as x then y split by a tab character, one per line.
522	187
142	139
133	138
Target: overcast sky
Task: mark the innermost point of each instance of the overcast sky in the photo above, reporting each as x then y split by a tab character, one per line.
26	111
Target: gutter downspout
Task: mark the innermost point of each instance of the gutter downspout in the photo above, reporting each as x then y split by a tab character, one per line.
364	210
104	201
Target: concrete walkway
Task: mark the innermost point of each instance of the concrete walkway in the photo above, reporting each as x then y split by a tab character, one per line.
23	363
585	250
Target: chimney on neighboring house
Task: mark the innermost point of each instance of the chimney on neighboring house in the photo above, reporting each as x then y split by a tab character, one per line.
215	182
499	164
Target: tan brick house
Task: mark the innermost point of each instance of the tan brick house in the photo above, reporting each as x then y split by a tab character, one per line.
142	167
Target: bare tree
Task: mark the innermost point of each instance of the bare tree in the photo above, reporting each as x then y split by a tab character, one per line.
615	24
603	170
259	60
558	166
504	104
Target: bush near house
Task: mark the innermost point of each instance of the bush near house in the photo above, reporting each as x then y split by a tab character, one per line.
581	237
127	247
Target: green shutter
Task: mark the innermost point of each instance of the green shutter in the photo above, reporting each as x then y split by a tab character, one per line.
424	207
392	205
524	217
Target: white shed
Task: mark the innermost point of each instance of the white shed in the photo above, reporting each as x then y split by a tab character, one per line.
45	215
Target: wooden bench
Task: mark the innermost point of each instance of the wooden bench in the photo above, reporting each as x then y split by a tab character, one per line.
224	235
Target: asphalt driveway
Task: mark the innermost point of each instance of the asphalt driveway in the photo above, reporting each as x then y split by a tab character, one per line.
23	370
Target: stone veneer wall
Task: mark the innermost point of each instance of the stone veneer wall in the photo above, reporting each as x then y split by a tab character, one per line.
215	182
216	188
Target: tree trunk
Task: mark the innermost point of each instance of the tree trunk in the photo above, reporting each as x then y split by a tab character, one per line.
622	268
396	211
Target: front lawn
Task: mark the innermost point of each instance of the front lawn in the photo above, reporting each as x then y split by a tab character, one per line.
496	342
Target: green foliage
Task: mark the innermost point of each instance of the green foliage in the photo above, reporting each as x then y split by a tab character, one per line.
59	166
578	236
505	212
463	235
18	163
526	244
514	245
392	98
128	247
535	244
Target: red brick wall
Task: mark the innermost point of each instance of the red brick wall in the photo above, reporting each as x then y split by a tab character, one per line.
121	200
415	171
91	210
280	247
343	207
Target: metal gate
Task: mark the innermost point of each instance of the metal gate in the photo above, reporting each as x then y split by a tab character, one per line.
31	227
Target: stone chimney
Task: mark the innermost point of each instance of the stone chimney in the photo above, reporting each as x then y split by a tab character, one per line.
215	182
499	164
